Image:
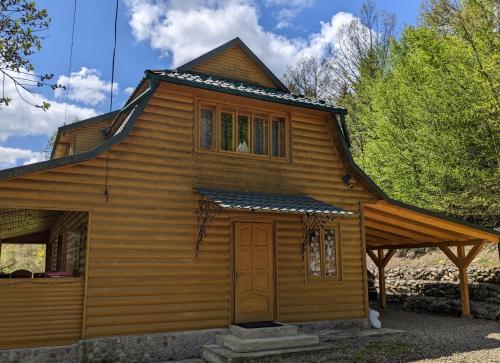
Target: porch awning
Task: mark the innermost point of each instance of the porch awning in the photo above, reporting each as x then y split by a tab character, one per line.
271	202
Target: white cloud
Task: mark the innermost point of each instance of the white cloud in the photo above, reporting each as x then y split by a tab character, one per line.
129	90
10	157
287	10
186	29
85	86
22	119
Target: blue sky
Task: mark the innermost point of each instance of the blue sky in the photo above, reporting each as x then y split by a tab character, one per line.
159	34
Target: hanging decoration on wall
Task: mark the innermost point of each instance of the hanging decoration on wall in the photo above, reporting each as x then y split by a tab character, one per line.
312	222
205	214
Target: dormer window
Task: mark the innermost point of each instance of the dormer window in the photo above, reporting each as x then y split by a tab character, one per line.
242	131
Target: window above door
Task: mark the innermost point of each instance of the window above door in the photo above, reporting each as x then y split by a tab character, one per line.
240	131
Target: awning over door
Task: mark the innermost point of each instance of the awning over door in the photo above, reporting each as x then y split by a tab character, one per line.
271	202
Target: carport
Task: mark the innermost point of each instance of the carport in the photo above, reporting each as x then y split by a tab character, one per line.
390	225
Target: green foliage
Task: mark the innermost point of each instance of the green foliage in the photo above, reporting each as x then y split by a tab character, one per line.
29	257
21	29
431	124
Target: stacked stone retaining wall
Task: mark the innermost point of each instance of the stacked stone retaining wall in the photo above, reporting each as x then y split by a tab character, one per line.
437	290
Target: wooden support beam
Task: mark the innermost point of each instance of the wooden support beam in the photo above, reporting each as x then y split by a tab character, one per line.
388	257
381	279
373	256
372	245
446	250
473	253
462	261
464	284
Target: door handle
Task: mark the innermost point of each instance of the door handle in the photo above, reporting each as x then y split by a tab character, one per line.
235	276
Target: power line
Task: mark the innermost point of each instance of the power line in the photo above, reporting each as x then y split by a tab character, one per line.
70	61
113	61
106	191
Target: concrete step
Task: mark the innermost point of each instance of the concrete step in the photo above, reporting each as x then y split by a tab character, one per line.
242	345
284	330
216	354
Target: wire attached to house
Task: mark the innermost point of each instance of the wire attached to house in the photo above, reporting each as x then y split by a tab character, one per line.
70	62
106	191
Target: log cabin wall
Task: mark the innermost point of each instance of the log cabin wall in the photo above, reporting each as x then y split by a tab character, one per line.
233	63
40	312
142	273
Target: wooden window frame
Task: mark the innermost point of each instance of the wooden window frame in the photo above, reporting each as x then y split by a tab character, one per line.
278	117
220	111
251	113
338	254
249	130
208	106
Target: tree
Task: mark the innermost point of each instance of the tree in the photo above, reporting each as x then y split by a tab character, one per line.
311	76
21	26
47	150
348	70
435	132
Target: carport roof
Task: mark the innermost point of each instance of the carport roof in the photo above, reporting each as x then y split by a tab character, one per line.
393	224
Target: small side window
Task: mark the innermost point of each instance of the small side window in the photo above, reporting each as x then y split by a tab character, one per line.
207	128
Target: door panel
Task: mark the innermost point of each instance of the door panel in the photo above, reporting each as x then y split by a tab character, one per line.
254	272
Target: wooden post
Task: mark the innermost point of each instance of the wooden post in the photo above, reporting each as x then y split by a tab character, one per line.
381	279
381	261
462	261
464	286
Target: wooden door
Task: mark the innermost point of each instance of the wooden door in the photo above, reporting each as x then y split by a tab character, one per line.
254	272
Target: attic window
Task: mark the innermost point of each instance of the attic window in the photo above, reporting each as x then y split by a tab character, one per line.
242	132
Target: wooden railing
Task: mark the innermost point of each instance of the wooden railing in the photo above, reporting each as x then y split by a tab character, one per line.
40	312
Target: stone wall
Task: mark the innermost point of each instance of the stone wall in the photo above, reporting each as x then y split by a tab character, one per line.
123	349
436	290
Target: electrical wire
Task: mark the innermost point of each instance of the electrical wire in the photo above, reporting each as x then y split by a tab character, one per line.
70	62
106	191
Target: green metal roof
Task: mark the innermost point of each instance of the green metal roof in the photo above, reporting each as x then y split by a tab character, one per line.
239	88
271	202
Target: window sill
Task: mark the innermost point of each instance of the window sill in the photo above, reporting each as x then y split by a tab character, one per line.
247	156
331	280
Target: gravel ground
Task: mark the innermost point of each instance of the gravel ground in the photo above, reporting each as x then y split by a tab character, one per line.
427	338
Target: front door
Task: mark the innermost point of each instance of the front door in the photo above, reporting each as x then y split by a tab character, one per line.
254	272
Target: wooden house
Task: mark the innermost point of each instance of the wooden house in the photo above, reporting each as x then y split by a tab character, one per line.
214	196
